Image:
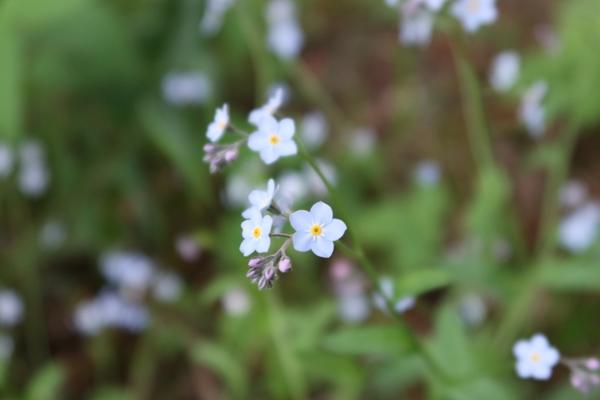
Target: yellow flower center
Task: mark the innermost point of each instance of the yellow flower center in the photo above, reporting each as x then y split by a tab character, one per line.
274	139
473	5
222	124
536	358
316	230
256	232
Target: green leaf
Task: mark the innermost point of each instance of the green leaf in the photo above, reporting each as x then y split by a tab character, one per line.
111	393
383	340
11	102
47	383
570	276
222	362
417	282
480	389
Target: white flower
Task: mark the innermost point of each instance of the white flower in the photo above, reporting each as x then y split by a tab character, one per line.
574	193
387	292
532	113
475	13
416	27
6	160
188	248
427	173
186	88
213	15
316	230
313	180
434	5
362	142
128	270
293	188
52	235
217	128
268	109
472	309
255	231
353	308
236	302
167	286
535	358
273	139
261	199
314	129
285	37
33	176
11	308
109	309
505	70
579	229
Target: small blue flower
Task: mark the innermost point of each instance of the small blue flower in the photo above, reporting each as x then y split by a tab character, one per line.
316	230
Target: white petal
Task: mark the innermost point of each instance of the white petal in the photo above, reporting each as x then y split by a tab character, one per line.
539	342
541	372
301	220
266	225
322	213
262	244
334	230
521	349
302	241
258	198
268	155
268	125
248	246
256	116
551	356
287	148
322	247
524	369
287	128
257	141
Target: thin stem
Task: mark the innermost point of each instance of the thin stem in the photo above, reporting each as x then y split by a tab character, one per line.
281	235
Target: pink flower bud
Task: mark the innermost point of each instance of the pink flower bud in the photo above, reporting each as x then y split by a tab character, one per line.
285	264
592	364
269	273
231	155
255	262
209	148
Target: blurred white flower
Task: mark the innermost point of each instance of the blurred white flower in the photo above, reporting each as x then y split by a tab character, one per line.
535	358
52	235
33	174
269	108
293	188
217	128
387	293
532	113
167	286
579	229
505	70
315	183
434	5
128	270
110	310
316	230
353	308
285	36
314	129
362	142
573	194
188	248
255	232
427	173
236	302
261	199
475	13
273	139
416	27
213	15
472	309
181	88
6	160
11	308
7	346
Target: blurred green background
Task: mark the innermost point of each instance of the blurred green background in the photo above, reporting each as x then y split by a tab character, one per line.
103	111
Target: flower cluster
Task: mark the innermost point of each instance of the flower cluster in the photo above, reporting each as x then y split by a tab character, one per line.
130	276
271	139
417	17
315	231
11	313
